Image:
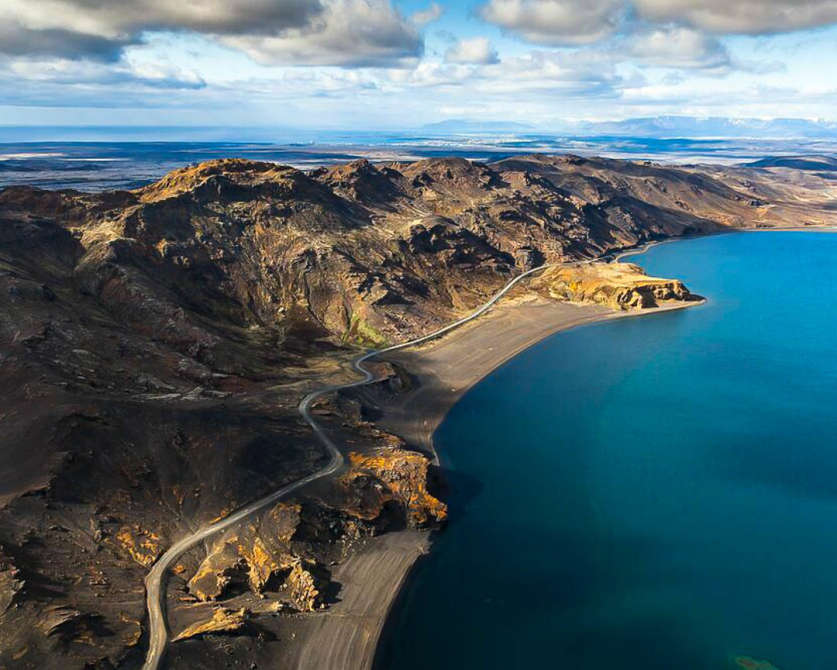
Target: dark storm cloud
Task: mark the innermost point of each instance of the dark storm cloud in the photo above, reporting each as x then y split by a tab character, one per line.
15	40
349	33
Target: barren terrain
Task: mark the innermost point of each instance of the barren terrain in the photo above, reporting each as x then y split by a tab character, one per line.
154	345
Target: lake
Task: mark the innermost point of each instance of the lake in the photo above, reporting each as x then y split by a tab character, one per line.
655	492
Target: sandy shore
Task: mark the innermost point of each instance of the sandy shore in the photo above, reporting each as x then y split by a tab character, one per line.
346	637
443	371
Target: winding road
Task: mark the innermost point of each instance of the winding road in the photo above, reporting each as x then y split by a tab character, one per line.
155	579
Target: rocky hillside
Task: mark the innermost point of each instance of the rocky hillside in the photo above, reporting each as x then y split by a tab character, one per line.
360	250
154	345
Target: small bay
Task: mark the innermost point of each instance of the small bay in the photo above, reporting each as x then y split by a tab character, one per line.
649	493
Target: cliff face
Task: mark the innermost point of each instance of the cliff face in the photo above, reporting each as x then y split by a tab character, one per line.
388	475
622	286
154	345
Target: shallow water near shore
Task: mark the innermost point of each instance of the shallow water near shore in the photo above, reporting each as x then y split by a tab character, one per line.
658	492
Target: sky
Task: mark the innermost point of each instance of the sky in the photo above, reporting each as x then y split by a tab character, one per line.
397	64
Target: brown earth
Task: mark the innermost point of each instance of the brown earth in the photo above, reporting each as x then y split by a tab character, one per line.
154	345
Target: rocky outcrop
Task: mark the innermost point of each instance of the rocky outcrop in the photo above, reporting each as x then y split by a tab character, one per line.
223	620
63	625
143	546
385	485
303	586
259	549
10	582
622	286
391	474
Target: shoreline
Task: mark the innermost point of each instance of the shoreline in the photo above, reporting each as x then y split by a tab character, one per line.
442	371
431	574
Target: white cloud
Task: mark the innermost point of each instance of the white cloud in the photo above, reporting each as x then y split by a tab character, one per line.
91	74
559	22
555	22
586	73
87	84
741	16
540	73
651	55
676	47
432	13
475	50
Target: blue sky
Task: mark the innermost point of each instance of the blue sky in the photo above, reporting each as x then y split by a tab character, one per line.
387	64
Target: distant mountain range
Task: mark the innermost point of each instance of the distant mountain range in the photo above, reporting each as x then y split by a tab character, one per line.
690	126
656	127
821	163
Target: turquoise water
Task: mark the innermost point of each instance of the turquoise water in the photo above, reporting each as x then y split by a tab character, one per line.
658	492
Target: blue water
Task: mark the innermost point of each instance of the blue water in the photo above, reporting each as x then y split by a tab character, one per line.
658	492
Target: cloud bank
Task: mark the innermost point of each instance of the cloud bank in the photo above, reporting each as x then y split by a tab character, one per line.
476	50
558	22
555	22
313	32
549	57
750	17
